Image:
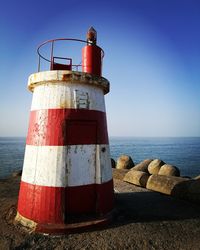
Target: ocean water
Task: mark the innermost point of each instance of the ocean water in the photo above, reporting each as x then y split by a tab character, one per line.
11	155
181	152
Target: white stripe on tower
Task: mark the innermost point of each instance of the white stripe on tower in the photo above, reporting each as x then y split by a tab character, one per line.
51	95
61	166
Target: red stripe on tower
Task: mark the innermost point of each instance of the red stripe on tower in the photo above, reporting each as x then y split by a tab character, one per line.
69	200
69	126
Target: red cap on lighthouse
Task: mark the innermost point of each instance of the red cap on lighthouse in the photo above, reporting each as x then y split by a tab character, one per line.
91	36
92	55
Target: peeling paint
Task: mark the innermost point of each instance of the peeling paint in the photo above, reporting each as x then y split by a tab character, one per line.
26	222
70	77
66	77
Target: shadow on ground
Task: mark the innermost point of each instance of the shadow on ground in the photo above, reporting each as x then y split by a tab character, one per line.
152	206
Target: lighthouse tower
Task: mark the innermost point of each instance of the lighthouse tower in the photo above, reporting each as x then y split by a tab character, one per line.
67	178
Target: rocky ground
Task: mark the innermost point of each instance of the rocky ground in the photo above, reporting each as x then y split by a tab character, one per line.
144	220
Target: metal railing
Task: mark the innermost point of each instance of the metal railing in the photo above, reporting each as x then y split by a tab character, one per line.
52	57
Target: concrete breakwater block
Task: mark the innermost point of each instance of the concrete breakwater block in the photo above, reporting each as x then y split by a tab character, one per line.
119	173
155	166
189	190
193	191
138	178
171	185
169	170
143	166
124	162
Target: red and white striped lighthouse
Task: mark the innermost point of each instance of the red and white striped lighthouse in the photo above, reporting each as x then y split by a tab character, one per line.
67	174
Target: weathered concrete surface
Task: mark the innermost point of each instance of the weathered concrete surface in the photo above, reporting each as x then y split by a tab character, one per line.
193	193
144	220
155	166
138	178
143	166
189	190
119	173
165	184
169	170
67	77
124	162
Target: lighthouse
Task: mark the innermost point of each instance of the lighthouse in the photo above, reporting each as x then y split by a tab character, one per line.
66	180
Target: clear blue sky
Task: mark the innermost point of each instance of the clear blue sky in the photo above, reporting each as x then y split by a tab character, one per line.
152	60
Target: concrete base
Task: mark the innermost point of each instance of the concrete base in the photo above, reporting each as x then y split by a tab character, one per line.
74	224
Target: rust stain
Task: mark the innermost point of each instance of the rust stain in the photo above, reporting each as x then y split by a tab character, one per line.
66	77
65	104
87	77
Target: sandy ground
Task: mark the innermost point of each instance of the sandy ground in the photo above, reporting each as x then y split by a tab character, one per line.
144	220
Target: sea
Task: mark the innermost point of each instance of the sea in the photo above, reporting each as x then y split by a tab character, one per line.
182	152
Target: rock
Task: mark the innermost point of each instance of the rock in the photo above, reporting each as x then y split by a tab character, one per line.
143	166
155	166
138	178
169	170
124	162
17	173
197	177
167	184
113	163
